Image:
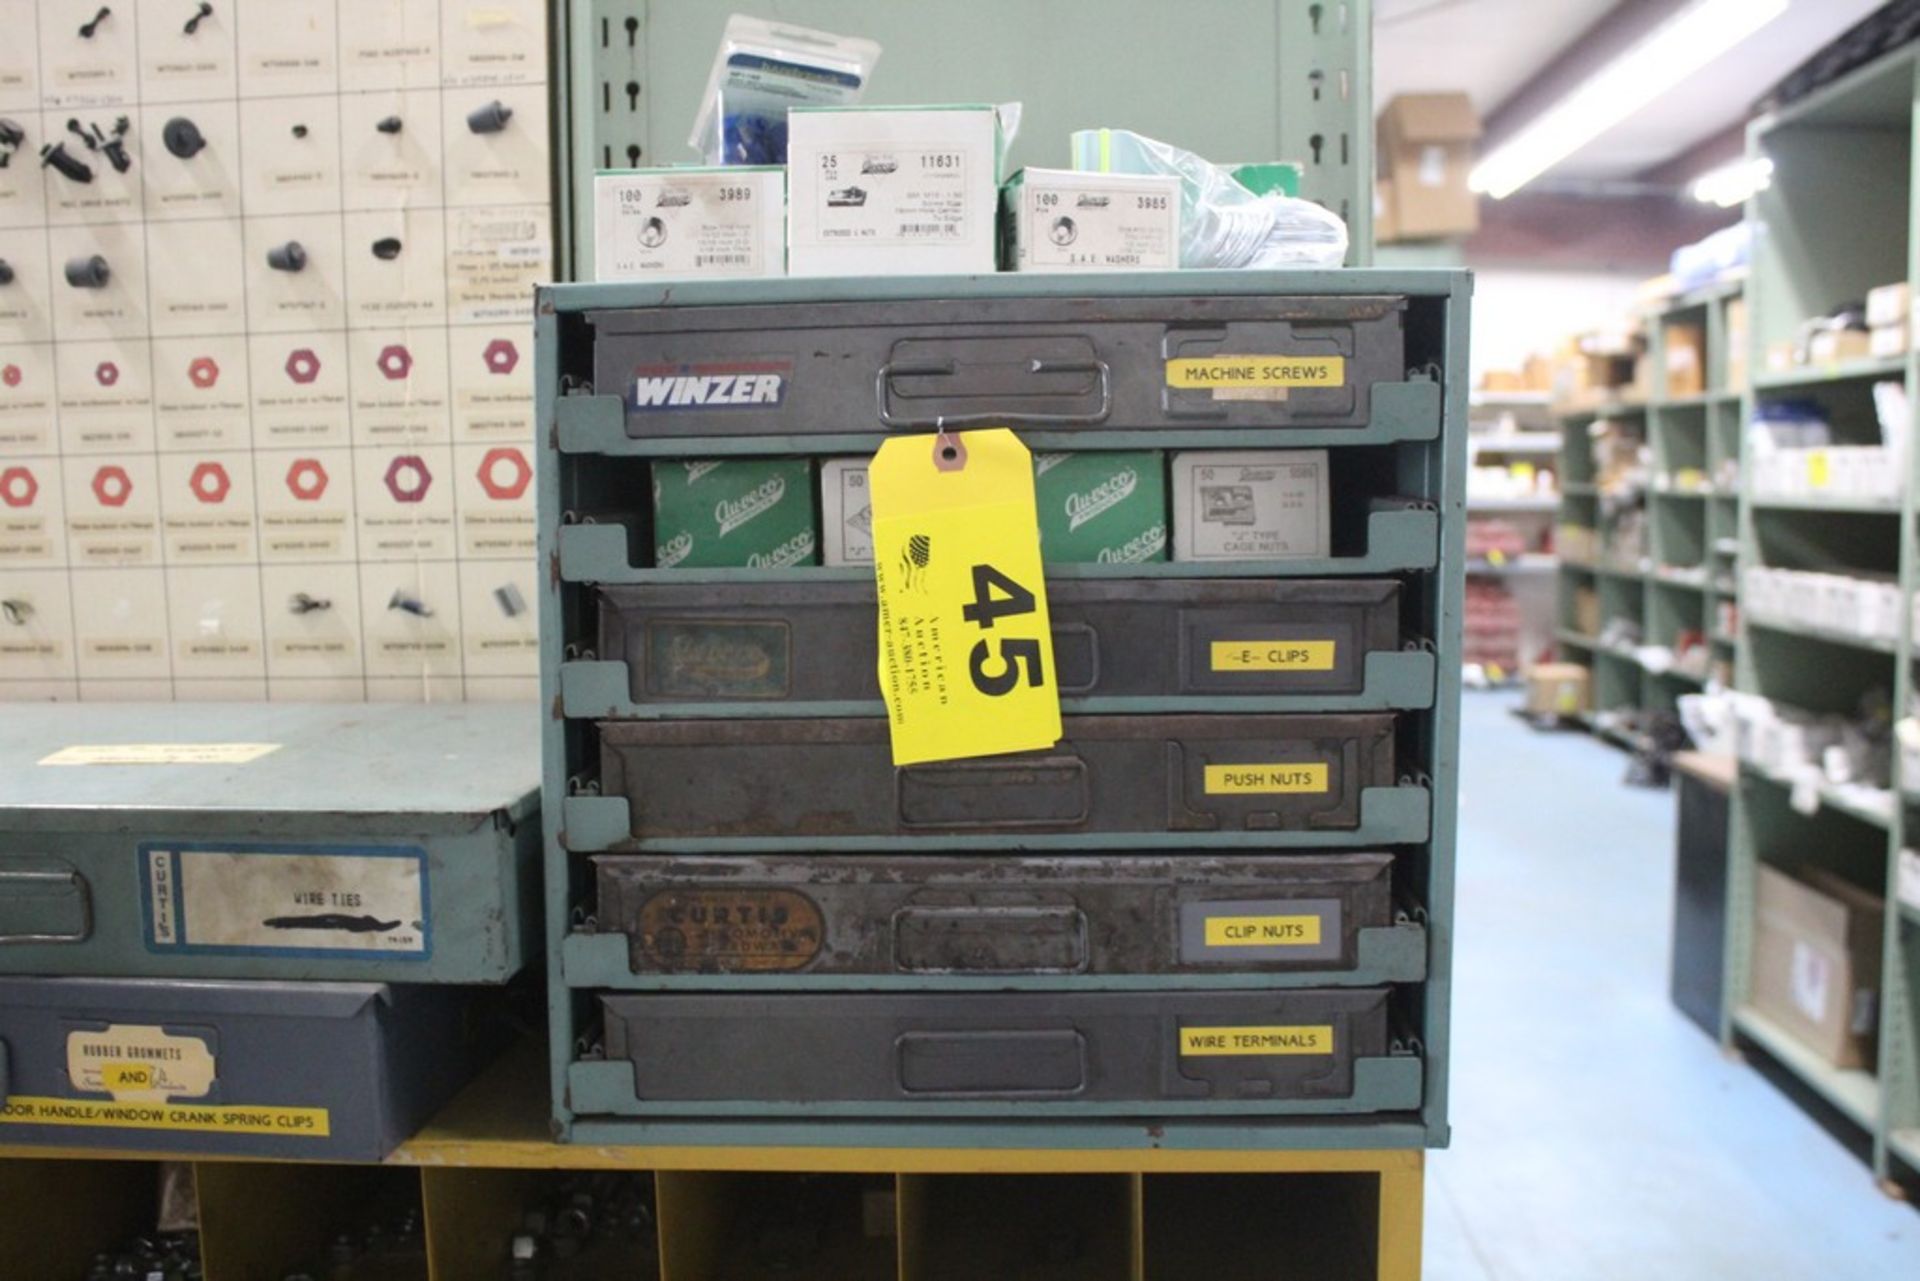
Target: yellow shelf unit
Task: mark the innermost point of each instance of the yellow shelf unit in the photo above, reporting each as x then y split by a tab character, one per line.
888	1214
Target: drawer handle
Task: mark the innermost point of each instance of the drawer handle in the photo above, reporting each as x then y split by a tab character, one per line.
70	877
890	371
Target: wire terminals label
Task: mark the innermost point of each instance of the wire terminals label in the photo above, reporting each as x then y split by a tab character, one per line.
1208	1042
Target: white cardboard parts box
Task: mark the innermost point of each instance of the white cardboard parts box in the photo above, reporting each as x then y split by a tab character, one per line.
846	512
661	223
885	191
1066	220
1250	505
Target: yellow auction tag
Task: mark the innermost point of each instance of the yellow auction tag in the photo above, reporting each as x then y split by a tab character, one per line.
966	651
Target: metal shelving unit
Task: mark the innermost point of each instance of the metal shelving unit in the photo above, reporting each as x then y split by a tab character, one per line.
1679	584
1857	137
1512	430
1294	83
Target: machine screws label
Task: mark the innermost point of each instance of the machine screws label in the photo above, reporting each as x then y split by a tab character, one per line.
1229	374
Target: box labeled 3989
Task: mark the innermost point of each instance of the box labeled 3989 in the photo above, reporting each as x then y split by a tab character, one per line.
663	223
892	190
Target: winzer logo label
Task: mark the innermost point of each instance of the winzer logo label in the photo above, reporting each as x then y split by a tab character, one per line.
740	385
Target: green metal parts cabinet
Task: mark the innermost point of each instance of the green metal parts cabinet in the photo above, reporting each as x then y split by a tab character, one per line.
762	933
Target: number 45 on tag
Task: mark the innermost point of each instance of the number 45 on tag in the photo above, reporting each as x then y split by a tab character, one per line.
966	649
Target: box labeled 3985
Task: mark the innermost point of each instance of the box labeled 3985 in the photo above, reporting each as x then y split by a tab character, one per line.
661	223
1066	220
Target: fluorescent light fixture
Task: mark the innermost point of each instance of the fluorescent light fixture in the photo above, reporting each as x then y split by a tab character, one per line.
1656	64
1733	184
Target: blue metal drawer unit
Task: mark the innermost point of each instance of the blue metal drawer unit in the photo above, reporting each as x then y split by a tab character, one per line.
270	841
339	1071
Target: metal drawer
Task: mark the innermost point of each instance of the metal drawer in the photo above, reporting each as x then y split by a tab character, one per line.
1115	363
835	777
377	844
337	1071
1002	1054
773	645
789	919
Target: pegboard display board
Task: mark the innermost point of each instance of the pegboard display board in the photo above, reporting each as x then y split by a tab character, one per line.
265	352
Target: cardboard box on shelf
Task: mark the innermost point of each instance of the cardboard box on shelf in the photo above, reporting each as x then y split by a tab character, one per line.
1101	506
1250	504
1783	356
1889	305
748	513
1559	689
1385	230
846	512
879	191
665	223
1737	337
1586	611
1427	146
1576	542
1816	962
1836	346
1066	220
1686	357
1888	341
1597	367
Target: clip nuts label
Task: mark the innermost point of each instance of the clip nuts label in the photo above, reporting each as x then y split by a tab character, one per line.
1263	931
1272	656
966	649
1266	1042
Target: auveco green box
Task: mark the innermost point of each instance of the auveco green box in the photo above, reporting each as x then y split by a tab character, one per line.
750	513
1102	507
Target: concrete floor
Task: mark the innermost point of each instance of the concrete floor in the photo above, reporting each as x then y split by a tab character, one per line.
1597	1133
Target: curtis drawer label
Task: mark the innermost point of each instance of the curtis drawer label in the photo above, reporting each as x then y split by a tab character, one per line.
1273	656
1263	931
1202	1042
139	1064
1228	373
730	930
696	658
339	902
1276	779
289	1123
